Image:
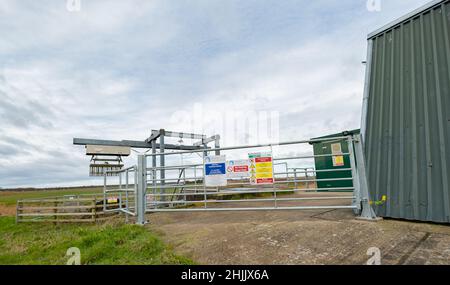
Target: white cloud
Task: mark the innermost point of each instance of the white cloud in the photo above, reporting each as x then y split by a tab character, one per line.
118	69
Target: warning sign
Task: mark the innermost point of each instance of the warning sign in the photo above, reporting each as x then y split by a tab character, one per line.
215	172
238	168
339	159
261	168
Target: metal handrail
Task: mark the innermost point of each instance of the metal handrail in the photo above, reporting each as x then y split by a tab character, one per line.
257	200
251	146
251	192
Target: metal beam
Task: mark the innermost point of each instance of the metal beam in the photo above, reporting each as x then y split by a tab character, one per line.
184	135
154	136
207	140
129	143
157	133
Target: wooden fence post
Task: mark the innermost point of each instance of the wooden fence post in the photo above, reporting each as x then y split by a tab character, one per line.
94	211
17	211
55	211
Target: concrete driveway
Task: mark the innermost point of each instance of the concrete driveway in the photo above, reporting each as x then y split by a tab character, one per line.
299	237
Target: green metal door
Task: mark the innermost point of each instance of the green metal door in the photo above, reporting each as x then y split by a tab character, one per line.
327	163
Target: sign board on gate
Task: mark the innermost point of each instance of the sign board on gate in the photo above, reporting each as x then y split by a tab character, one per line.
261	168
238	168
336	150
215	171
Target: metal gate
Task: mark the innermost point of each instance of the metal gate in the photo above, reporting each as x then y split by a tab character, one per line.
176	182
119	191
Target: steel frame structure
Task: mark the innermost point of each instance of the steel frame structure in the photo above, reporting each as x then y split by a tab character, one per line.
149	143
162	134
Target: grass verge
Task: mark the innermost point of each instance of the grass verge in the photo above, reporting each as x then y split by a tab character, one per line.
112	243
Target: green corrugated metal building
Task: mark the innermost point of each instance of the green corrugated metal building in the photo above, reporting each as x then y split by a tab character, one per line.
327	163
406	115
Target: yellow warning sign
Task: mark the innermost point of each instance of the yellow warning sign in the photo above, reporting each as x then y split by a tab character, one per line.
338	160
264	165
261	168
264	175
264	169
336	149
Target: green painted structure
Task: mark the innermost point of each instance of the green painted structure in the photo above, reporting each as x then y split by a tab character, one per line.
326	162
406	115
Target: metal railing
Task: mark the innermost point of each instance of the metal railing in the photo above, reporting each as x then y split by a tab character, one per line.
178	185
120	196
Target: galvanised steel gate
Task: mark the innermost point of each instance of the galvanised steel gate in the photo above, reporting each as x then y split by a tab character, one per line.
119	191
180	183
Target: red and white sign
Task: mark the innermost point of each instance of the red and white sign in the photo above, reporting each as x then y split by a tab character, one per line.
237	168
240	168
264	181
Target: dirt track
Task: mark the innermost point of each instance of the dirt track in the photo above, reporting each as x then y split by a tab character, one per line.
299	237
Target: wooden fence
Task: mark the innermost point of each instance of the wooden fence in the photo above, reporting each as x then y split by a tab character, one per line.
65	209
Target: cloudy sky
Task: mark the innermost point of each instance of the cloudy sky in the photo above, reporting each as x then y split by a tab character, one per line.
117	69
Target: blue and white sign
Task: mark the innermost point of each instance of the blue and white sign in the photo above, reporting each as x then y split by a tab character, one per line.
215	171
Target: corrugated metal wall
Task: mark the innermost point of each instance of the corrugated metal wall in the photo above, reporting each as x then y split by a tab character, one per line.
407	138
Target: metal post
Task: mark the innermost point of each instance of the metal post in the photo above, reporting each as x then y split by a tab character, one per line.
135	187
273	177
141	186
104	191
195	179
162	162
367	213
287	173
120	190
295	178
204	181
205	153
365	104
355	177
217	144
184	183
154	172
126	195
307	180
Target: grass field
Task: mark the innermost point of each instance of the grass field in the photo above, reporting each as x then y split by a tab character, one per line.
112	243
10	197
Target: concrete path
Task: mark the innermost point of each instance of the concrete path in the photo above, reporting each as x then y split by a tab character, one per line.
299	237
